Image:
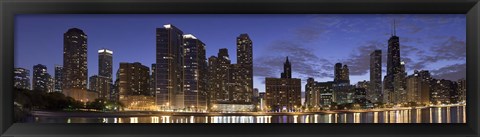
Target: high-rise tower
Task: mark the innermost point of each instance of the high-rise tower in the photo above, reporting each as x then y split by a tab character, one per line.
105	59
58	78
169	67
375	89
195	70
287	69
244	70
394	85
103	82
75	71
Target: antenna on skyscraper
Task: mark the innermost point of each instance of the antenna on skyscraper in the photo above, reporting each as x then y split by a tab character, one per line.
391	31
394	28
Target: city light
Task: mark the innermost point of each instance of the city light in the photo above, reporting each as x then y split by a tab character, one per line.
183	85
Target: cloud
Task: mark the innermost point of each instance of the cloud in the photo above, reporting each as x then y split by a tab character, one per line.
450	49
451	72
263	66
411	40
309	33
304	61
407	53
359	61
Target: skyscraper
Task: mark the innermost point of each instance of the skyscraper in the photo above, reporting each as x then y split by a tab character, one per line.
213	85
318	94
50	83
134	79
393	82
374	93
134	86
462	89
418	87
219	76
245	69
283	94
152	79
169	69
287	69
337	72
105	59
40	79
244	50
195	80
401	84
21	78
75	71
341	73
441	91
343	92
58	78
103	83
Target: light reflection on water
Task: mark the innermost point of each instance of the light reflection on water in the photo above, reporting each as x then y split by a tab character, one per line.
427	115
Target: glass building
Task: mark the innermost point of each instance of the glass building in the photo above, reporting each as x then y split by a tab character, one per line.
374	93
58	78
21	78
40	78
169	69
195	80
75	71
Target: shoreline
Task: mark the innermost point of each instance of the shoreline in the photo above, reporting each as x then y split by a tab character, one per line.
160	113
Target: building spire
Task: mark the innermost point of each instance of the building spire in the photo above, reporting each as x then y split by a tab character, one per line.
391	31
394	28
287	60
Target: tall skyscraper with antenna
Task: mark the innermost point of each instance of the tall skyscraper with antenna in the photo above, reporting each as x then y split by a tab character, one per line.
394	85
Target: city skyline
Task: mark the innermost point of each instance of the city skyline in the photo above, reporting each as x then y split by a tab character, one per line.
304	60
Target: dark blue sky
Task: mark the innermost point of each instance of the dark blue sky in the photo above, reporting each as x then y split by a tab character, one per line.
313	42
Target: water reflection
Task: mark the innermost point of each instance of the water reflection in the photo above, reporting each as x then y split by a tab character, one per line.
426	115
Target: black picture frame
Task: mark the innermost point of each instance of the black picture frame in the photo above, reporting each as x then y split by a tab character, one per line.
10	8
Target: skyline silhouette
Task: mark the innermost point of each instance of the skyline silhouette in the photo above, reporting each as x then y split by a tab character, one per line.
431	42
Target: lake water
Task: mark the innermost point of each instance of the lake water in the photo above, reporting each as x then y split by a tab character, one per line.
425	115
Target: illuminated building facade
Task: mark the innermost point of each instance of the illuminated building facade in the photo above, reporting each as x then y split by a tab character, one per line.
58	78
418	87
169	67
283	94
21	78
318	94
343	92
75	71
244	70
40	80
374	92
105	59
462	89
134	85
195	80
105	73
100	85
441	91
152	80
341	73
219	76
394	82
